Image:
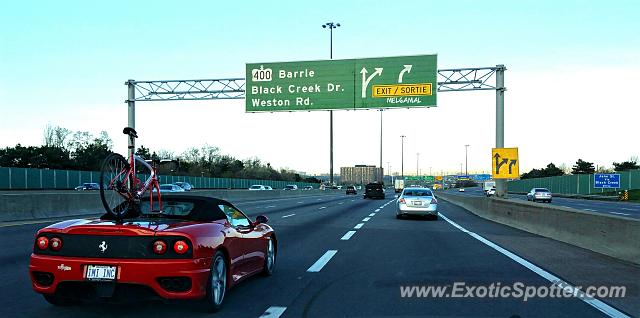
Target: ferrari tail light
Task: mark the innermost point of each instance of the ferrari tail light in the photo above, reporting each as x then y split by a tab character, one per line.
55	244
402	200
180	247
42	242
159	247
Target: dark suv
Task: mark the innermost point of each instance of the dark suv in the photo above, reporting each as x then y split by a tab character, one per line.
374	191
351	190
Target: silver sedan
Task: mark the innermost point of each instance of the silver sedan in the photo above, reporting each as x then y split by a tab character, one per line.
417	201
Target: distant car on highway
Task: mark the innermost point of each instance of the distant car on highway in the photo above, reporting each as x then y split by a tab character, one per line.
491	192
290	187
268	188
308	188
374	191
169	188
88	186
185	185
461	190
257	187
539	194
189	251
351	190
417	201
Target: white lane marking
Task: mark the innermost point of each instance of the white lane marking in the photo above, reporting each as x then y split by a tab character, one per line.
322	261
626	209
273	312
319	199
322	207
271	206
620	213
300	202
372	214
366	219
340	203
382	207
596	303
358	226
353	200
592	210
288	215
568	207
347	236
377	210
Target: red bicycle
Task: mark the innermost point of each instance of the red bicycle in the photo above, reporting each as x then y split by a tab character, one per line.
121	190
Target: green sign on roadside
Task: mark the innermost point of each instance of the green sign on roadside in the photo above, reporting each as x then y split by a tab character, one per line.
388	82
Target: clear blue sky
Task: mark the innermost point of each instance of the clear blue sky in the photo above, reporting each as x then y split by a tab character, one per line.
65	62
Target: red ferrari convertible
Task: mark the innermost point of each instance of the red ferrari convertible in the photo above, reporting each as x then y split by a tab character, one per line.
196	248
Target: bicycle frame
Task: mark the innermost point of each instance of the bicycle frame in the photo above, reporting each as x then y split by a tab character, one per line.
134	195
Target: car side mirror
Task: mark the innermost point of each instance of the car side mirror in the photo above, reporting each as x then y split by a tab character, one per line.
261	219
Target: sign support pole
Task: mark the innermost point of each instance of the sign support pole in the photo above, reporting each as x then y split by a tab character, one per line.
501	184
131	122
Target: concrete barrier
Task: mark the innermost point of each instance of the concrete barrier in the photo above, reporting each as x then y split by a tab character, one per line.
611	235
33	205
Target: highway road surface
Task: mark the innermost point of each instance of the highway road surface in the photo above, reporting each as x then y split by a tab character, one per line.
628	209
345	256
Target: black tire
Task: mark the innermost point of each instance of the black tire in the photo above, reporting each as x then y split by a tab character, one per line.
398	216
214	300
270	264
434	218
59	301
114	203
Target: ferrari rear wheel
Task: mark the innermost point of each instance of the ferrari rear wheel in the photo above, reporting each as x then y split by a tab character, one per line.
269	259
217	285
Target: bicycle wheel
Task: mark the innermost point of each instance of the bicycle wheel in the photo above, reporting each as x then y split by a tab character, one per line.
114	193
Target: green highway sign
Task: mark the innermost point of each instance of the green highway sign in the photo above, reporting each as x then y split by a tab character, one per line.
386	82
428	179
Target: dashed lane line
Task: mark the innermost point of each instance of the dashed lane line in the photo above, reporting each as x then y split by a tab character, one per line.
358	226
322	207
347	236
372	214
288	215
322	261
273	312
366	219
620	213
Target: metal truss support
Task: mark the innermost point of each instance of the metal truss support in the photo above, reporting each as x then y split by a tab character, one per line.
229	88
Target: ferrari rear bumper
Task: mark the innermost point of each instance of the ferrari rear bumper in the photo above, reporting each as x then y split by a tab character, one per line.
169	279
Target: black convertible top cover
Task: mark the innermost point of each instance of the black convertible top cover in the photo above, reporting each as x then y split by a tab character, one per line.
201	208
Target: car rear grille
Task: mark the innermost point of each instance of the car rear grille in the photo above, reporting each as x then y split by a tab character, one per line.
175	284
128	247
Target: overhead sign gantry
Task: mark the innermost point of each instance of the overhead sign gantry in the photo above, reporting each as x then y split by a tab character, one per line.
370	88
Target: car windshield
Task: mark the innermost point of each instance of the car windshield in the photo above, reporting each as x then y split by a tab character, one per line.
417	193
166	187
256	187
541	190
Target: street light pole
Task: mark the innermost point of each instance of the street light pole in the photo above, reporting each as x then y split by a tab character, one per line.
417	164
466	167
331	26
402	156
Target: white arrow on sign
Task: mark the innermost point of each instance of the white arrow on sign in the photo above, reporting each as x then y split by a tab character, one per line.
365	83
406	69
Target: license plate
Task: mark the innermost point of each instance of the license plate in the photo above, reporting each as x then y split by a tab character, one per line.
417	202
101	272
